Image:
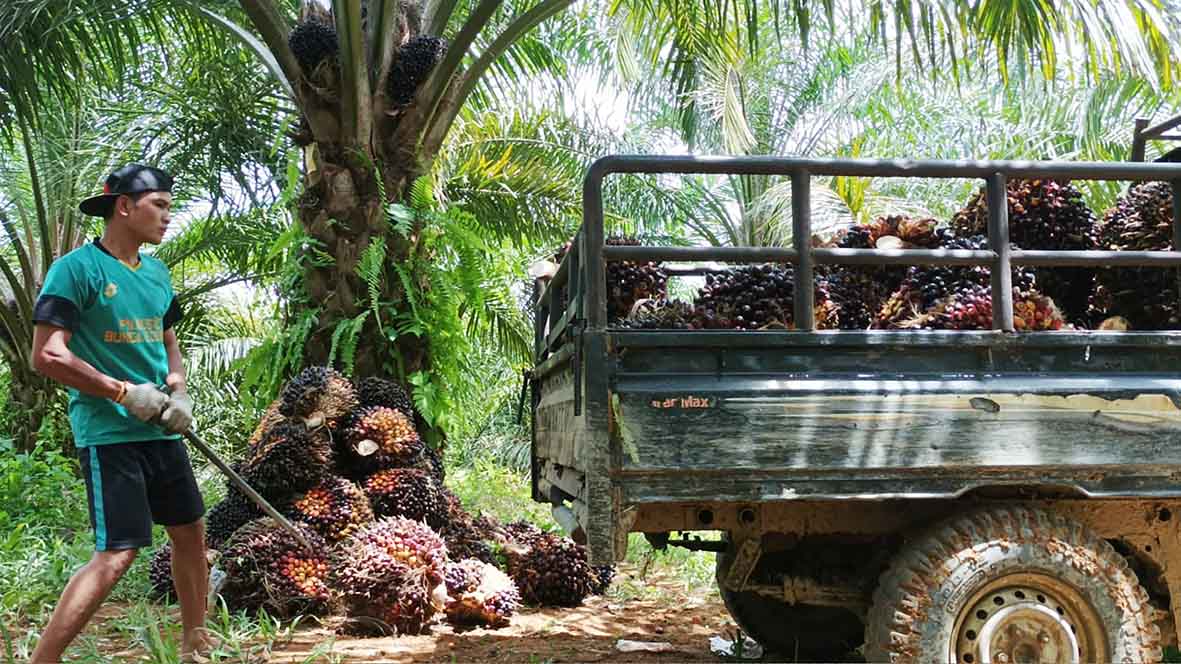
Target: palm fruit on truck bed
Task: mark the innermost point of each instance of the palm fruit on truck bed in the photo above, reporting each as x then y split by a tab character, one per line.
753	297
227	516
1043	214
377	438
267	568
629	282
551	571
318	395
479	594
335	509
390	576
407	492
858	292
1142	220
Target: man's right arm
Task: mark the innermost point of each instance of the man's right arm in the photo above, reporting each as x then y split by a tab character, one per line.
52	358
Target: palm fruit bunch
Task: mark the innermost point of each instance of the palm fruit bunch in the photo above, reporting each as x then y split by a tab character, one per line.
603	576
970	308
267	568
551	570
335	509
479	594
430	462
1043	214
318	395
407	492
413	65
858	292
313	41
378	437
270	417
629	282
225	517
926	285
160	573
377	391
290	459
465	539
1142	220
390	575
755	297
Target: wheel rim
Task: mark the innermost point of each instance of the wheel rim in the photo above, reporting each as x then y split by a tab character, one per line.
1028	618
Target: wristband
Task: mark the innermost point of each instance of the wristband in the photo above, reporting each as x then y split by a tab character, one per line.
122	392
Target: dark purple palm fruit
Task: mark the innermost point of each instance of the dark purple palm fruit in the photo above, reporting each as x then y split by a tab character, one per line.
756	297
414	63
407	492
1142	220
234	511
629	282
290	459
1043	214
551	571
313	41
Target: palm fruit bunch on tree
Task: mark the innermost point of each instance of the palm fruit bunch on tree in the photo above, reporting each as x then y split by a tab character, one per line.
550	570
754	297
1043	214
629	282
413	65
1142	220
479	594
858	292
377	438
313	41
290	459
267	568
407	492
318	396
390	576
225	517
335	509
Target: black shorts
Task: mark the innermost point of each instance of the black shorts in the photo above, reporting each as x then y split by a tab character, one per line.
131	485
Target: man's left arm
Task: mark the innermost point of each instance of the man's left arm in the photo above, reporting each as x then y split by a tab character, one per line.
178	414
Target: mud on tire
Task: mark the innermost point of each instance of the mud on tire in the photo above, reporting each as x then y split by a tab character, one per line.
936	600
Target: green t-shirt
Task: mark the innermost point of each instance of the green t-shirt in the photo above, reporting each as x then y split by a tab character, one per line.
118	321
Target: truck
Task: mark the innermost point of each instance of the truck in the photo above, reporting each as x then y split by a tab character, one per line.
917	495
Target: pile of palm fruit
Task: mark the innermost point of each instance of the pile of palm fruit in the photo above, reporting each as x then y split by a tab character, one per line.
1043	215
393	550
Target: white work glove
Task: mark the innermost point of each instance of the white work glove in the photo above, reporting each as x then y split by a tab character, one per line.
144	401
178	413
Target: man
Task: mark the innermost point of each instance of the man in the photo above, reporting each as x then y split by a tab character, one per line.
104	328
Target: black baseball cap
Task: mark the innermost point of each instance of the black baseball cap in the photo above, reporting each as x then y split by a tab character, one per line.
130	179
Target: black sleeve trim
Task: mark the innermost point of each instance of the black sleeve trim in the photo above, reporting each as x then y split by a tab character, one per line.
56	311
174	314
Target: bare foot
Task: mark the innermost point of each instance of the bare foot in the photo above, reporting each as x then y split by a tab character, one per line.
196	646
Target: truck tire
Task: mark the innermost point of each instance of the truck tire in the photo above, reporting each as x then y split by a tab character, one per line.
1024	582
801	631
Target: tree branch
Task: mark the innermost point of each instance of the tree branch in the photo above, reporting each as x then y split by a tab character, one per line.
354	68
439	15
272	26
461	88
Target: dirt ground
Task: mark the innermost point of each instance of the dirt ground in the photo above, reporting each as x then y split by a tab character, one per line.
589	633
652	609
